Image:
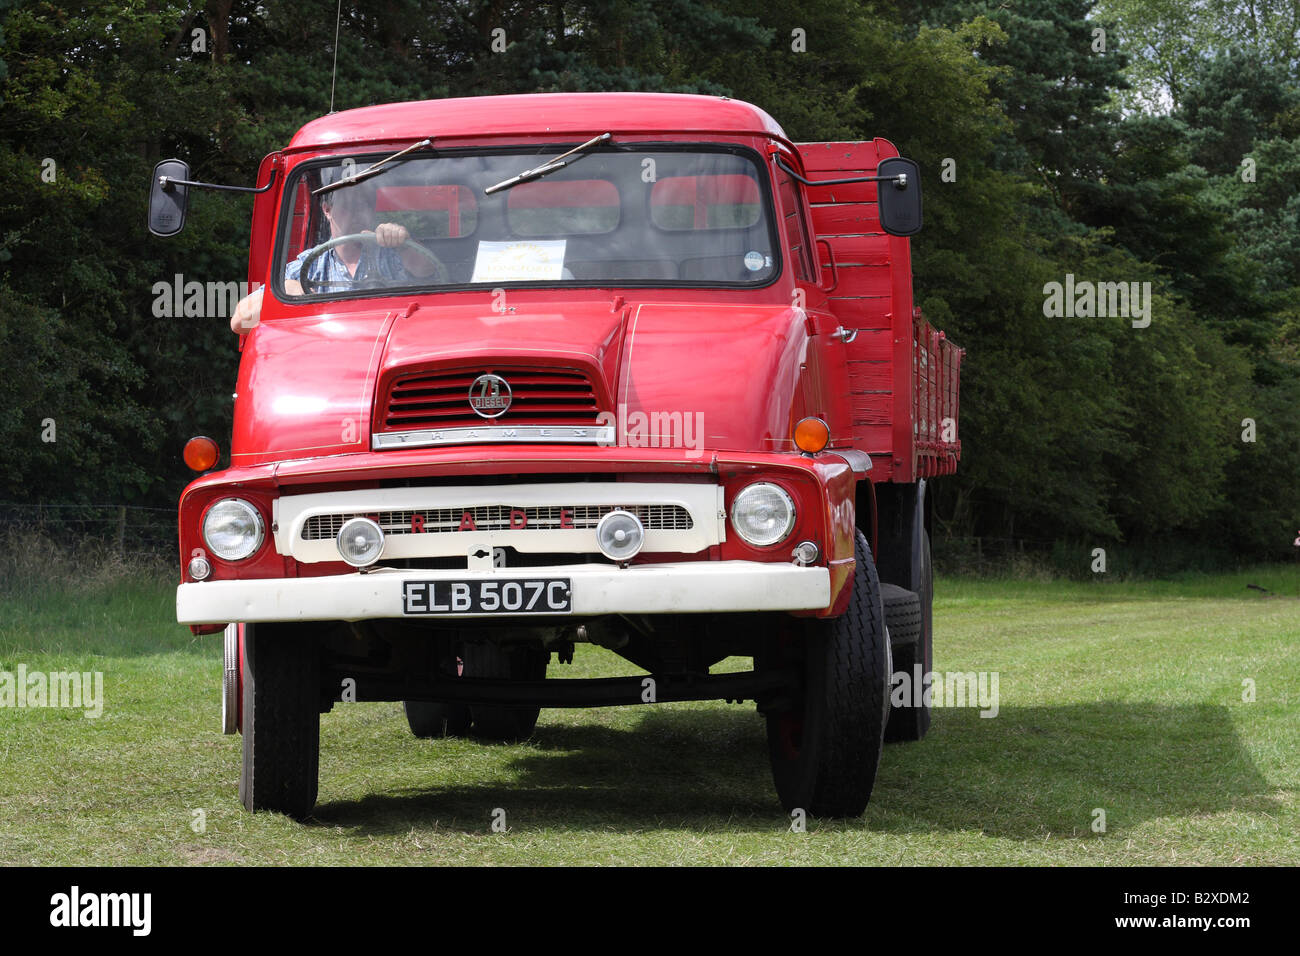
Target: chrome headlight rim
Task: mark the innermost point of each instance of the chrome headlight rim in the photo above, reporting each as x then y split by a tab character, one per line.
257	540
786	531
370	523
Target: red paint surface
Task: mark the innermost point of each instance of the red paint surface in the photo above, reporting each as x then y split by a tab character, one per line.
314	378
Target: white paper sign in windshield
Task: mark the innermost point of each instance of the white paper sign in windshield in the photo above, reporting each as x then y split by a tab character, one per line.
519	261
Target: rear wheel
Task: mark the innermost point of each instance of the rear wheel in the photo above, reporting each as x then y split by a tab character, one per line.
902	615
825	747
281	719
437	719
910	720
504	662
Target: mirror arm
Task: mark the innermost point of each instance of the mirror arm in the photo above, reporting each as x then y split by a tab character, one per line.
167	182
900	180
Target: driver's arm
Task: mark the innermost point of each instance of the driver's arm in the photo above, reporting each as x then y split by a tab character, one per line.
292	269
247	313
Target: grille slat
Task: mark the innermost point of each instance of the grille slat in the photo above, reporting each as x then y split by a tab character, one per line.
497	518
440	399
437	407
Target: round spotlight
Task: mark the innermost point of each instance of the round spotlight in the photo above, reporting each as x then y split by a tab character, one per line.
763	514
360	542
620	535
233	529
805	553
200	568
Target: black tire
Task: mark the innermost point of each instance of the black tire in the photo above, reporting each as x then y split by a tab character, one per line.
910	721
437	718
281	700
902	614
825	750
504	662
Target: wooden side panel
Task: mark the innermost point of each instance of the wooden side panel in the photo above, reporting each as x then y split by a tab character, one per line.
873	277
937	380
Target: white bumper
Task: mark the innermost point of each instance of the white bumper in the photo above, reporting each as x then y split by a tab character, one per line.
685	587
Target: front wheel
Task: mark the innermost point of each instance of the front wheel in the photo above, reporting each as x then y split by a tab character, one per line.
825	745
281	719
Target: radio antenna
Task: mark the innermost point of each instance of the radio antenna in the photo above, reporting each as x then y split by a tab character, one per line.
338	15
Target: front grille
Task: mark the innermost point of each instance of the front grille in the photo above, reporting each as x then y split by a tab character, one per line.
440	399
497	518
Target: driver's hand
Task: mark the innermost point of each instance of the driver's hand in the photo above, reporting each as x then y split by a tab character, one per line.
248	313
391	234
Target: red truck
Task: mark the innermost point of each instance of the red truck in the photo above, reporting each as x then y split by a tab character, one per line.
624	369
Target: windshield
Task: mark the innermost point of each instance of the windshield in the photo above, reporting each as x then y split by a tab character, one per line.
611	217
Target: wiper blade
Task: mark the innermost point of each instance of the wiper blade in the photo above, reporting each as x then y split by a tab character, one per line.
550	166
372	170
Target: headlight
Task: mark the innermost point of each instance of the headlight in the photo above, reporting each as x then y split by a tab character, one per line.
233	529
763	514
619	535
360	541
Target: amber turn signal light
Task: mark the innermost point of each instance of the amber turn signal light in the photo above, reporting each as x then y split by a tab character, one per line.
200	453
811	435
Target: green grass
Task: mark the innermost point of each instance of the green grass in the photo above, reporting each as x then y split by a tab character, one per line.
1123	696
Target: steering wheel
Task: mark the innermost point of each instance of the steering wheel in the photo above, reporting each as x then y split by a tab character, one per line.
440	275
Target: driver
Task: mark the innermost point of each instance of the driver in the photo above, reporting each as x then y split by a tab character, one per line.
349	211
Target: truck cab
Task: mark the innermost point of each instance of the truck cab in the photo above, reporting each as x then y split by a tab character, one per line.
624	369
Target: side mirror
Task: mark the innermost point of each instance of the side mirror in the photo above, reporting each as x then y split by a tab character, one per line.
168	202
900	204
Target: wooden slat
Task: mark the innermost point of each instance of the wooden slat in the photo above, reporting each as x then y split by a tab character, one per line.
872	408
836	156
853	281
871	345
873	375
873	439
839	219
882	465
858	250
849	192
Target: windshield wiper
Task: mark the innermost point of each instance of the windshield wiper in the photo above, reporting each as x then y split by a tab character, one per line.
559	162
372	170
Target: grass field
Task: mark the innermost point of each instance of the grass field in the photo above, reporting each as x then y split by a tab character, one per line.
1119	696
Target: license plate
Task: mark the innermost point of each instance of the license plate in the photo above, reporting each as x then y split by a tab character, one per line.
540	596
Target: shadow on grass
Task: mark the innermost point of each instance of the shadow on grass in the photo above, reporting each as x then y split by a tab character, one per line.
1027	774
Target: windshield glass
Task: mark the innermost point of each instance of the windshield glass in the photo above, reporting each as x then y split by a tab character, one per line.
611	217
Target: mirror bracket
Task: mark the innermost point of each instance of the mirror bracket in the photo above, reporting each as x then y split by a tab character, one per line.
169	195
898	179
167	183
900	209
